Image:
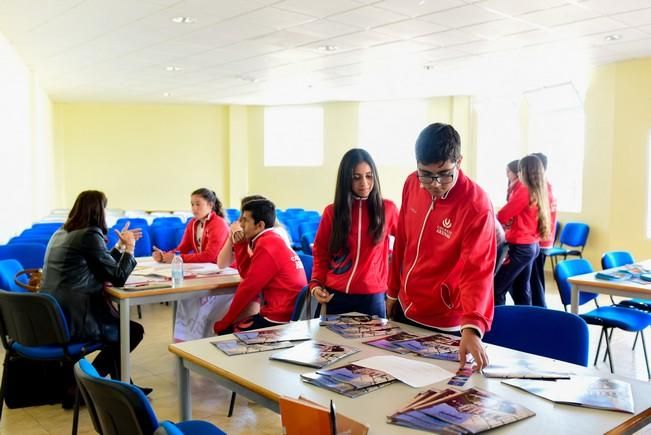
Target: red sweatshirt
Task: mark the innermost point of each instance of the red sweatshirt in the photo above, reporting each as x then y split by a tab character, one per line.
273	271
444	256
549	242
215	233
361	268
523	218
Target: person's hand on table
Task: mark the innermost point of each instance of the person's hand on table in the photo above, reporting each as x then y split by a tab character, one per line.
322	295
390	305
472	344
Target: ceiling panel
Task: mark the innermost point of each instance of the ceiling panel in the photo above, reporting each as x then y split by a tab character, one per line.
462	16
367	17
415	8
409	29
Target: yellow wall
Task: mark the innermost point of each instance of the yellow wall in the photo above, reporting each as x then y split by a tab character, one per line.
144	157
26	170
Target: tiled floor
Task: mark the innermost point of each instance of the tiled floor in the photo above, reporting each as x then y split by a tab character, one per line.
153	366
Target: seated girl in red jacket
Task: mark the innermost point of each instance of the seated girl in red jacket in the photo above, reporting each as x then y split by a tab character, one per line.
527	212
203	238
273	272
351	247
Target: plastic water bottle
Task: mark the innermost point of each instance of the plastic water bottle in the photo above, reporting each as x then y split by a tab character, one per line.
177	270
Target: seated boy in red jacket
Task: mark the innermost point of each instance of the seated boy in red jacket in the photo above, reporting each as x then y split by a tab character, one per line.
272	272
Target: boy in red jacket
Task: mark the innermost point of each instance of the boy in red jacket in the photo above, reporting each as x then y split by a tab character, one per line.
441	272
273	272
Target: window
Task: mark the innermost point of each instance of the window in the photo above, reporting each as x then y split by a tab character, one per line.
498	143
293	136
556	128
388	129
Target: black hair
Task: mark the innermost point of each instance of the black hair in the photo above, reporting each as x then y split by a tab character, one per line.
514	166
344	199
88	211
211	198
543	159
261	210
438	143
250	198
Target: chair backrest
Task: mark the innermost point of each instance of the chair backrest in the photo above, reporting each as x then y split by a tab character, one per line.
164	236
575	234
541	331
30	253
307	261
32	319
8	270
557	232
167	220
308	227
306	306
567	269
134	222
616	258
143	245
307	239
120	408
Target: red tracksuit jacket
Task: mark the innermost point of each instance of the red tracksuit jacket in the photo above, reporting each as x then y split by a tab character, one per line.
444	256
364	266
215	233
274	272
523	218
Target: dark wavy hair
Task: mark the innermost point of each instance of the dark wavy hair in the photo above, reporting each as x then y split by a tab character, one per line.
438	143
344	200
211	198
87	211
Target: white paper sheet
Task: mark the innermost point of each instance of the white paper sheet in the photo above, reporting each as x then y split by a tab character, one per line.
413	373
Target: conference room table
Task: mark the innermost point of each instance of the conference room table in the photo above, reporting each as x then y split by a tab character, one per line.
264	381
588	283
191	288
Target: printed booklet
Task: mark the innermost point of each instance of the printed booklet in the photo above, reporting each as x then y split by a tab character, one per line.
314	353
523	369
588	391
437	346
237	347
289	333
458	412
390	343
350	380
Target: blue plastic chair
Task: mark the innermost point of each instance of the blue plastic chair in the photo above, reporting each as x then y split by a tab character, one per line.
541	331
610	317
143	246
30	255
308	262
573	239
164	236
167	220
8	270
305	307
292	228
307	240
308	227
119	408
32	326
134	223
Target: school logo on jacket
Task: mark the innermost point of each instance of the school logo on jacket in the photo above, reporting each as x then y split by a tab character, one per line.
444	228
297	261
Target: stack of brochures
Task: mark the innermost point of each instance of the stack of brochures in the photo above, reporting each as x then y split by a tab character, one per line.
263	340
390	343
436	346
350	380
632	272
588	391
314	353
458	412
358	325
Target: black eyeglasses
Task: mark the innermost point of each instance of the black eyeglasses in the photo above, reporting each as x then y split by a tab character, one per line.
440	178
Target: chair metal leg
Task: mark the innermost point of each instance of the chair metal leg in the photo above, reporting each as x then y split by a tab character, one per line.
646	357
610	354
139	311
637	334
4	383
601	337
232	405
610	338
75	415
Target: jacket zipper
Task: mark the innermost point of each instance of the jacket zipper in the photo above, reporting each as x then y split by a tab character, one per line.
420	237
359	243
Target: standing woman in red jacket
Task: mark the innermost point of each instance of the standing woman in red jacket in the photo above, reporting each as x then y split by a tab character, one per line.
351	247
528	214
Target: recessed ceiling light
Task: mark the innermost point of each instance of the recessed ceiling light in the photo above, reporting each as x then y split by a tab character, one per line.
167	94
613	37
184	20
428	67
328	48
173	68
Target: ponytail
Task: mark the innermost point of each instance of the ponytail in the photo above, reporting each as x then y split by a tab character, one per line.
211	197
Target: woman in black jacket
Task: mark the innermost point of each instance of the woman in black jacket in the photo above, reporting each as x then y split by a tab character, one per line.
78	264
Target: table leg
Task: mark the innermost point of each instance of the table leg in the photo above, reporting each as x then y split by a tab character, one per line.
125	339
185	399
574	307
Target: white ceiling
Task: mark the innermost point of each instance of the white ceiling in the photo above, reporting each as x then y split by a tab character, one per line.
272	51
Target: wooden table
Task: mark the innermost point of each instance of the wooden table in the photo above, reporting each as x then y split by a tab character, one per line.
191	288
262	380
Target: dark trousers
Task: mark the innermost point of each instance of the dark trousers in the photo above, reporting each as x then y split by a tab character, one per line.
537	281
341	303
399	316
515	274
107	362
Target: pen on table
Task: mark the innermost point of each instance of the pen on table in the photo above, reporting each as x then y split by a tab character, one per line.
333	417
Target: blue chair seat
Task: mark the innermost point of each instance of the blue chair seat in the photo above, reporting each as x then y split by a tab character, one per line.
554	251
75	350
618	317
640	304
198	427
